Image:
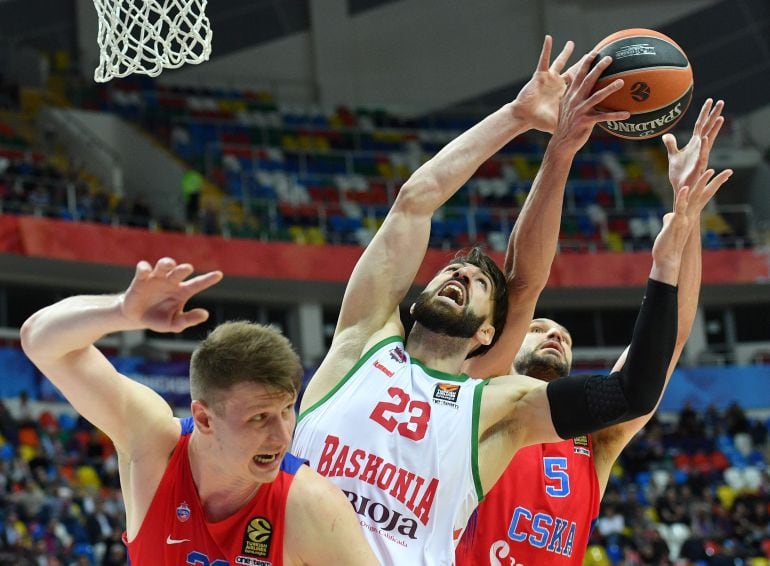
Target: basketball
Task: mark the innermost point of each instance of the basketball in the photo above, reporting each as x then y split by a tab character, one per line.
658	82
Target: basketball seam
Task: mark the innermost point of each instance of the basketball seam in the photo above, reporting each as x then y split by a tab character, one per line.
658	107
641	69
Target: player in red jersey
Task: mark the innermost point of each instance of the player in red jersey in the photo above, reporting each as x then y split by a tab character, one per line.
218	488
542	509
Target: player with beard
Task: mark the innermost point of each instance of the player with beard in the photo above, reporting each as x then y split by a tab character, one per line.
543	508
412	441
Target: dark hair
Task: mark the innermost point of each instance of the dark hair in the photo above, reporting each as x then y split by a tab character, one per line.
238	352
475	256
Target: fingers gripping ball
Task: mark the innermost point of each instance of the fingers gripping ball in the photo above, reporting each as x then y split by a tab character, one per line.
658	82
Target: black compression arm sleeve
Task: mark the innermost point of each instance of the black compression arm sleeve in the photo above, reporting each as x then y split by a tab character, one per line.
583	404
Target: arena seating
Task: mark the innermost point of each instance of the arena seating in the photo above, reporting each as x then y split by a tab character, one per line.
311	177
48	183
330	176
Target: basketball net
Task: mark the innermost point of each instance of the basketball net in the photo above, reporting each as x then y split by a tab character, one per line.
147	36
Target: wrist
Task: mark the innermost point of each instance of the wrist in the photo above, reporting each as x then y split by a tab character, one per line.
565	144
665	271
519	116
560	151
115	313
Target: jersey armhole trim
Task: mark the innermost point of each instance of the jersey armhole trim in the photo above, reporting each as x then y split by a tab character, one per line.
361	361
478	390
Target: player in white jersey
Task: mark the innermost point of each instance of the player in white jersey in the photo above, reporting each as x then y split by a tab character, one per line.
416	484
379	417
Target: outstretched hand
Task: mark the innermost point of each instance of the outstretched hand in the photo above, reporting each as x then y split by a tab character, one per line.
538	101
685	165
690	201
688	204
578	113
156	297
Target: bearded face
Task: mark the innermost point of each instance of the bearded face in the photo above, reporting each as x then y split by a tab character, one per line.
443	318
539	365
546	352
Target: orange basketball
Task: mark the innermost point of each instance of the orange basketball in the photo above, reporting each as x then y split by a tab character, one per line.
658	82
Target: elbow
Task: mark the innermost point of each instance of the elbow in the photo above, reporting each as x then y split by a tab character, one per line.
29	342
523	288
645	408
643	404
420	194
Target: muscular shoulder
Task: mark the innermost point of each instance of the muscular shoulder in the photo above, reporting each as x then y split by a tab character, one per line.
314	504
348	346
160	439
319	521
312	494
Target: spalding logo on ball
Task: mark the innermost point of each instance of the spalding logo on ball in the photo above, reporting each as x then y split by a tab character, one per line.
657	79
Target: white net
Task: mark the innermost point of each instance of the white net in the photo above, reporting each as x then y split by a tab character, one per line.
147	36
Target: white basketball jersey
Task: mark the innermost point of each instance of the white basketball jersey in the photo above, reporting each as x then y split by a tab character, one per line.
400	440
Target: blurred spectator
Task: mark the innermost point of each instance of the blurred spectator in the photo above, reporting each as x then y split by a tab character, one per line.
192	185
140	213
210	220
24	414
611	524
653	550
736	420
689	423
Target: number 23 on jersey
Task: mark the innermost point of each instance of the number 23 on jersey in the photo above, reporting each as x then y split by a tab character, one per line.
408	417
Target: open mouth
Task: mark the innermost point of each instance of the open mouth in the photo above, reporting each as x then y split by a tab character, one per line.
552	345
265	459
454	291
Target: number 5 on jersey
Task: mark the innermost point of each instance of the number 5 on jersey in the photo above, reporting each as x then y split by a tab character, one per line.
555	469
389	414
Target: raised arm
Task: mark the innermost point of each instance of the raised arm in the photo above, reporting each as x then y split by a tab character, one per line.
532	243
685	166
387	268
59	340
518	412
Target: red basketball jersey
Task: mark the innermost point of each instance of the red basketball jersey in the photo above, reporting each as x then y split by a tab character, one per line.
175	530
541	511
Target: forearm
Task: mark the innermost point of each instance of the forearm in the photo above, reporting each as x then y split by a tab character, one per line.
533	240
580	404
441	176
71	325
531	249
689	284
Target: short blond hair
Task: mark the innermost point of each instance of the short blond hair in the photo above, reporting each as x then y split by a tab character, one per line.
243	352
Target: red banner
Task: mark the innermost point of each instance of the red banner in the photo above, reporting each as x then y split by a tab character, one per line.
98	243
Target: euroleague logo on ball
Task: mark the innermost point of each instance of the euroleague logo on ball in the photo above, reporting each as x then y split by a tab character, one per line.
657	80
640	91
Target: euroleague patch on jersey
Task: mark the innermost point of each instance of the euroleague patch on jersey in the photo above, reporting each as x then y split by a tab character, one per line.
447	392
580	445
183	512
398	355
258	536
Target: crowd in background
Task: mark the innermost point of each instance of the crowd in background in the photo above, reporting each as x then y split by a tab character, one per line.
60	500
689	490
31	184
